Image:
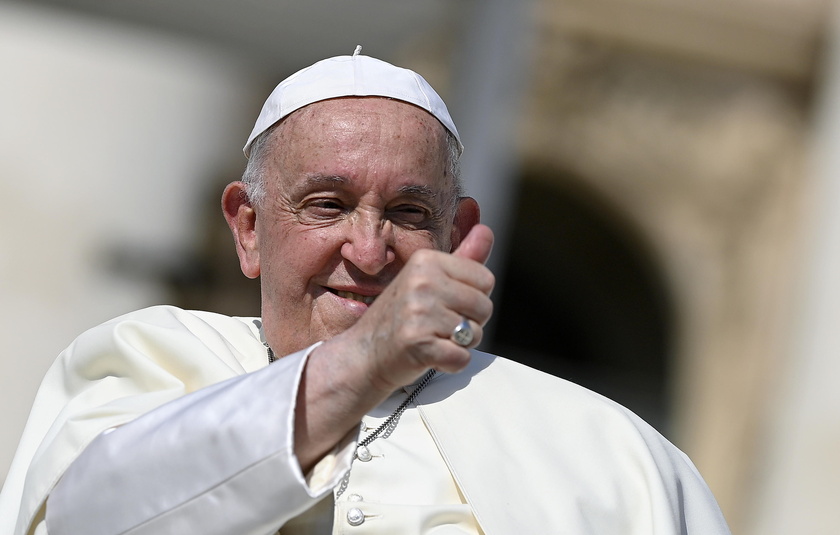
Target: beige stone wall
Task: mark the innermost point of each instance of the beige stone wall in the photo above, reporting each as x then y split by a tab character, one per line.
706	153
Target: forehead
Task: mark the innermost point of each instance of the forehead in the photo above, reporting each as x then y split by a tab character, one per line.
360	113
361	134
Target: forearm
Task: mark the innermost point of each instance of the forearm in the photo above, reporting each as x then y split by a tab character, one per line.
335	393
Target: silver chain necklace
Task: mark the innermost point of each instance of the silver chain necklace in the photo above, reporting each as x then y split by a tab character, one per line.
384	430
390	423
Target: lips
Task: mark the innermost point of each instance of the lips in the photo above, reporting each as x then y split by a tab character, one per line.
366	299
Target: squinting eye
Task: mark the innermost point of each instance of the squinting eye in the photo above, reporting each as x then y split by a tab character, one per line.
325	208
329	205
410	214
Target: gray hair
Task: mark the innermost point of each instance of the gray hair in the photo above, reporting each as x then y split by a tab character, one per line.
255	170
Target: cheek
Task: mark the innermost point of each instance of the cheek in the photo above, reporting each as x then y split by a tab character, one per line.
410	241
308	253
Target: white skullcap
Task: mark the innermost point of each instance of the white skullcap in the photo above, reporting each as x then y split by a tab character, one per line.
347	76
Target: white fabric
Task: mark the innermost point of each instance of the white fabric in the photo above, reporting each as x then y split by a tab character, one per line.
228	443
528	451
345	76
404	488
109	376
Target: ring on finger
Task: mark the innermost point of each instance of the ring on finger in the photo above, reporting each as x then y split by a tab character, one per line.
462	334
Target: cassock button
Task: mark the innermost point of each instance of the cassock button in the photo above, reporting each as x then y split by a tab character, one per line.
355	517
363	454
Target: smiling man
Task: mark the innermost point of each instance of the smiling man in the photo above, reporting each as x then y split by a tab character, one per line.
356	403
358	186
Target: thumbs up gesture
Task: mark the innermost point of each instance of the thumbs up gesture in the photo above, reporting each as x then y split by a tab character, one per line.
409	328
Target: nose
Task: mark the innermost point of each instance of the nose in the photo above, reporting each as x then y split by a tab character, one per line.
369	244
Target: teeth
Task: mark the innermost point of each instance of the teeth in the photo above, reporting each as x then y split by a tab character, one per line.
366	299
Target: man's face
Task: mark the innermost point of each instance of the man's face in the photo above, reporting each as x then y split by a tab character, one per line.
353	187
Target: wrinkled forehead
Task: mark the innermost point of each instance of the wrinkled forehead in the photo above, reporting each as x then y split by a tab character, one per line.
340	123
372	143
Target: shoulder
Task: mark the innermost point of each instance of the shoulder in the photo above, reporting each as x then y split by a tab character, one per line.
492	377
167	318
600	460
170	336
168	315
556	405
556	415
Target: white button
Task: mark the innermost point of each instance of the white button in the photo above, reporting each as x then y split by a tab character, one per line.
355	517
363	454
354	498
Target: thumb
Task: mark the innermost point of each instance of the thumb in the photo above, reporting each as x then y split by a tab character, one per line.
477	244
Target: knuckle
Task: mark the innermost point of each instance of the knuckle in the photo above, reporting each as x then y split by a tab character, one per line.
422	257
415	311
488	281
454	359
487	311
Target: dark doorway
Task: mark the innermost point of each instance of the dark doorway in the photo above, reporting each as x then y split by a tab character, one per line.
582	298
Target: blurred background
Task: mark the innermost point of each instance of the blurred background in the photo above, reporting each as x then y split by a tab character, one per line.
661	175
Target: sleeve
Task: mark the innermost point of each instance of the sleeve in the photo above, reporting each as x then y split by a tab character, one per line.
218	461
152	419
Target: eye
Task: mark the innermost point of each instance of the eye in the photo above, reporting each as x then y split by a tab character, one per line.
324	208
410	214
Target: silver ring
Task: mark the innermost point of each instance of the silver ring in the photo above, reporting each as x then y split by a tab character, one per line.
462	334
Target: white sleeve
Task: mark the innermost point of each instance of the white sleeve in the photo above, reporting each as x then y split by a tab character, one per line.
216	461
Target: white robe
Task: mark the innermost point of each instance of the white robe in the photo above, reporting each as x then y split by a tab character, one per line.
530	452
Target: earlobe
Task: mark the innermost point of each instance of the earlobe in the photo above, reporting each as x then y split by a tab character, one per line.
467	215
242	220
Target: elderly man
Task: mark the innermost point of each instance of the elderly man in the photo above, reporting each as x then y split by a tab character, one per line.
375	415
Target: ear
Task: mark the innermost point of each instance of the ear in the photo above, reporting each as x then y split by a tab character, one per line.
467	215
242	220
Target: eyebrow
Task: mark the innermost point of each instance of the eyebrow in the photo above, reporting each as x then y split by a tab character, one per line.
316	180
419	190
324	180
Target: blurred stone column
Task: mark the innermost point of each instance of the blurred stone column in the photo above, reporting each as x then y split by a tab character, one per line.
491	73
799	471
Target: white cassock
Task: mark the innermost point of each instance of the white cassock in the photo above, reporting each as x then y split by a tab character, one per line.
169	421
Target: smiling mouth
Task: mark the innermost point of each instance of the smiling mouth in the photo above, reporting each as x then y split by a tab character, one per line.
366	299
